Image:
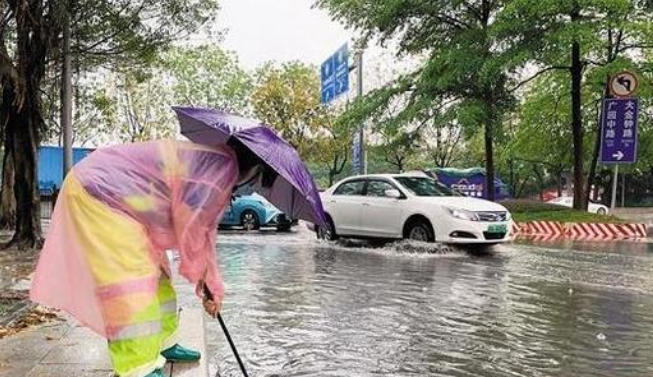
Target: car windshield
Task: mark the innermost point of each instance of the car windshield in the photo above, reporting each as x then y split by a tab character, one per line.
422	186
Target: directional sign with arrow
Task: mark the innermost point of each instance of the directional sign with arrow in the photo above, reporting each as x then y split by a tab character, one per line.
335	75
619	131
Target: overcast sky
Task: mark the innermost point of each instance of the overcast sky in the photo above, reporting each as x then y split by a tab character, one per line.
281	30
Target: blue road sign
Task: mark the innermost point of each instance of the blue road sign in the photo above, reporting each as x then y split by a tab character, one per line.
357	158
619	131
335	75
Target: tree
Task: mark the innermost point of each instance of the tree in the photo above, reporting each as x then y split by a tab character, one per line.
137	107
573	36
542	131
287	97
332	145
102	31
465	64
208	76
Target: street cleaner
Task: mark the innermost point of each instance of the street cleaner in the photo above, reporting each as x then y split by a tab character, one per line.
104	260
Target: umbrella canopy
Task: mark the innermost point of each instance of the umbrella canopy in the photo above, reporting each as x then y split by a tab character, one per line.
293	191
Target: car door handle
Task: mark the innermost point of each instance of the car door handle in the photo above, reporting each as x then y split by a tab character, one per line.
366	204
332	201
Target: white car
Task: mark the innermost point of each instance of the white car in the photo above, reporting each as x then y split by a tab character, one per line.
410	206
568	201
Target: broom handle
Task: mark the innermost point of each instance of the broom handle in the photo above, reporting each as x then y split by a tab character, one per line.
209	296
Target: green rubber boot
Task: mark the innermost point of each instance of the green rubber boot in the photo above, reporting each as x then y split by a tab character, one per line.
179	354
156	373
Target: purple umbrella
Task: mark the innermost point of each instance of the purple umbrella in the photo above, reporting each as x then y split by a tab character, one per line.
293	191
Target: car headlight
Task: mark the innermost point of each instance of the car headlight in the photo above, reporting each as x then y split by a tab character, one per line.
463	214
266	204
508	216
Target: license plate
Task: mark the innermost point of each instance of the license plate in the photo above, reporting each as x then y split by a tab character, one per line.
498	228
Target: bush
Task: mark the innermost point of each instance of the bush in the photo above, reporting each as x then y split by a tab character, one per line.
531	210
525	205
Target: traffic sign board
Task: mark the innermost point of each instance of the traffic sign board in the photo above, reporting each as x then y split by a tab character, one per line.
335	75
619	131
623	84
357	158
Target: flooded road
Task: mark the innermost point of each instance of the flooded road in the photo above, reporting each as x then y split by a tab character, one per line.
298	307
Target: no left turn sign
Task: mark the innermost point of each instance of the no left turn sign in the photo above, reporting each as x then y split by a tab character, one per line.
623	84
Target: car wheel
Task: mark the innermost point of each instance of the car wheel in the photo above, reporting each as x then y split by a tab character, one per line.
249	220
602	211
329	233
419	230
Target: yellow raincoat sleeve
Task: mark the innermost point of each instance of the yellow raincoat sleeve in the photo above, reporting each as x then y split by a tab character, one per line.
201	181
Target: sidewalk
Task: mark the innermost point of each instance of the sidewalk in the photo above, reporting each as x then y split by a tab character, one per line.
62	349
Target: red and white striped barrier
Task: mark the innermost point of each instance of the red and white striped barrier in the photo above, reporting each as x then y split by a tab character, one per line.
543	227
515	229
579	231
593	230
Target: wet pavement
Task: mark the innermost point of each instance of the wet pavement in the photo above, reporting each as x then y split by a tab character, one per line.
299	307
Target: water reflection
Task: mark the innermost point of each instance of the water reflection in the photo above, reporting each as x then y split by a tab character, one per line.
296	307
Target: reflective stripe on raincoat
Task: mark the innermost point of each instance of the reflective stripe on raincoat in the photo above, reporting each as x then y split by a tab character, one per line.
168	195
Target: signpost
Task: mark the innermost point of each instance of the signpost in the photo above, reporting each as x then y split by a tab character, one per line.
335	82
619	117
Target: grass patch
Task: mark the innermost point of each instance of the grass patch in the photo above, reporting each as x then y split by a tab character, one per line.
526	211
566	217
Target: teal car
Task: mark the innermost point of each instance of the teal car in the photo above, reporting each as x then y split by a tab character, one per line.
252	212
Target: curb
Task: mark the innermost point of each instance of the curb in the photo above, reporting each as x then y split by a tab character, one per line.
582	231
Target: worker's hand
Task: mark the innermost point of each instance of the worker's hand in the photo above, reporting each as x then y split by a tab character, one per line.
211	307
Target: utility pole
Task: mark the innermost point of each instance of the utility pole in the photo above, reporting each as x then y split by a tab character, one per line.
361	130
66	93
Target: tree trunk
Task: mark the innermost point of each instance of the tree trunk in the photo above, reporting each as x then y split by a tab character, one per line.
489	158
559	182
580	202
513	190
591	176
540	182
33	31
336	168
7	199
22	131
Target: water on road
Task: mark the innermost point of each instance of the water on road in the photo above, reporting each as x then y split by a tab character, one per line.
298	307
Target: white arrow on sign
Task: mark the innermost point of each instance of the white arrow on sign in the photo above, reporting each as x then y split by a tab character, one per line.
619	155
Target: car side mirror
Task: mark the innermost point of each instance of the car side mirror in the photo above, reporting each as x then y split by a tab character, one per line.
393	193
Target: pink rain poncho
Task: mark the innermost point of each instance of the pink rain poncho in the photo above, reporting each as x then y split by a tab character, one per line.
119	210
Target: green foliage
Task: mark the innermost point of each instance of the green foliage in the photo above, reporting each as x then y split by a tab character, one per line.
465	70
132	32
133	106
516	206
287	97
208	76
528	210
